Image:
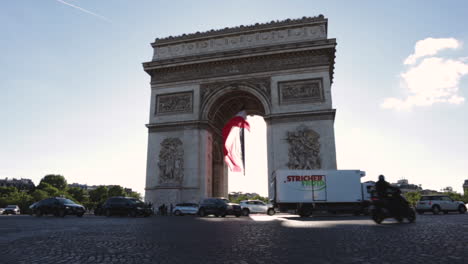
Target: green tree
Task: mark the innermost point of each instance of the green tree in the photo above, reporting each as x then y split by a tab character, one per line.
78	194
57	181
39	194
135	195
99	194
49	189
413	197
116	190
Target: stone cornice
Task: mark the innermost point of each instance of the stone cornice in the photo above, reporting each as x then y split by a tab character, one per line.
171	126
239	29
245	65
301	116
256	51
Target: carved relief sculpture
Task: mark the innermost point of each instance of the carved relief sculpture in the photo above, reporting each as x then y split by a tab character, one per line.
171	162
304	149
302	91
174	103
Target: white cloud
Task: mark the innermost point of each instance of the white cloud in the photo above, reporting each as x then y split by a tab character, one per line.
433	80
430	46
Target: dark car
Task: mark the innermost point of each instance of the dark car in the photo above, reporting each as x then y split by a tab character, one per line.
125	206
218	207
57	206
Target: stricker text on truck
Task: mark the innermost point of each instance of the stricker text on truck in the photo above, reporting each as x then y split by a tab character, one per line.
305	178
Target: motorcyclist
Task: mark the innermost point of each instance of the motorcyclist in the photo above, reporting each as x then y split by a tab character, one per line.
395	202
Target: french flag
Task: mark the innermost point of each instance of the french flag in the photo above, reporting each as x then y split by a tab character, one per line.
233	138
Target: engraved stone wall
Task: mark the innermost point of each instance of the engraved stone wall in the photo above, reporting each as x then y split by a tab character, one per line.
171	162
174	103
246	40
304	149
301	91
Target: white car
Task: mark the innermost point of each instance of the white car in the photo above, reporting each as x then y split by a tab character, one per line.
185	208
11	209
439	203
256	206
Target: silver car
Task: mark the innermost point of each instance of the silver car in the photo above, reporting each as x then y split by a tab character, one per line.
256	206
11	209
439	203
185	208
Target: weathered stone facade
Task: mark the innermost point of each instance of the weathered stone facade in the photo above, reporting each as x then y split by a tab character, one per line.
282	70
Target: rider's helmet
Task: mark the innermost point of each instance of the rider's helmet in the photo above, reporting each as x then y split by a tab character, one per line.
381	177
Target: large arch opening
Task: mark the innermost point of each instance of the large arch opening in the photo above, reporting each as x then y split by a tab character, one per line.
222	109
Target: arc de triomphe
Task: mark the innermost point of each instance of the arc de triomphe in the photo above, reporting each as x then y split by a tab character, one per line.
282	70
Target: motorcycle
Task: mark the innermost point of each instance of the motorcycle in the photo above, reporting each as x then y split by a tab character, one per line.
394	205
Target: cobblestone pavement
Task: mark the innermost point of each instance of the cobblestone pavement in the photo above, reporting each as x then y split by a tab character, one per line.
255	239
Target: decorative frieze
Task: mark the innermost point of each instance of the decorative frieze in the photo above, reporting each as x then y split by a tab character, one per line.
174	103
304	149
239	41
284	61
301	91
171	162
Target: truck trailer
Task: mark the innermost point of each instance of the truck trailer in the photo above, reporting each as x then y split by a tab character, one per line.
307	191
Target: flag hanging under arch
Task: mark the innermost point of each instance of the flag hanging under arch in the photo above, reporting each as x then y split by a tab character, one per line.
233	139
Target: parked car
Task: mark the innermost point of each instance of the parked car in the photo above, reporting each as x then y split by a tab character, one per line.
439	203
11	209
125	206
185	208
219	207
57	206
256	206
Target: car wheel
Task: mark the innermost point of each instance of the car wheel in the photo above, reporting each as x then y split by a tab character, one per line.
178	213
411	216
436	209
222	214
271	211
461	209
39	213
201	212
245	212
132	213
108	213
62	213
80	215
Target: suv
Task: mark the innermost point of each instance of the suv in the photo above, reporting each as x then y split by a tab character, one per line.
125	206
57	206
256	206
185	208
11	209
439	203
219	207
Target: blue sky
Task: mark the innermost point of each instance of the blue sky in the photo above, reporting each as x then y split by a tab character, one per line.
74	97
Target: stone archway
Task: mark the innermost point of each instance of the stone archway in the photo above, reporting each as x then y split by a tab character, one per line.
282	70
226	102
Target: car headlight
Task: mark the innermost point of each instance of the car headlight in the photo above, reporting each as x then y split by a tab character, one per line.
139	208
66	207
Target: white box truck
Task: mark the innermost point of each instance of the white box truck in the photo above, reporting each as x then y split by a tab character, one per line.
306	191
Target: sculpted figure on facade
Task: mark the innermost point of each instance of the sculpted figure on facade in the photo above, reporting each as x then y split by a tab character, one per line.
171	162
304	149
174	103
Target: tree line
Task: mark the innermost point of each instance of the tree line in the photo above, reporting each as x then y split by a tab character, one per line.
56	186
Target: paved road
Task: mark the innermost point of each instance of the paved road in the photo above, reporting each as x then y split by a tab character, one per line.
255	239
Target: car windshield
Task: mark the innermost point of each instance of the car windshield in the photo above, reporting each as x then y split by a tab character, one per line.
66	201
11	206
136	201
226	200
